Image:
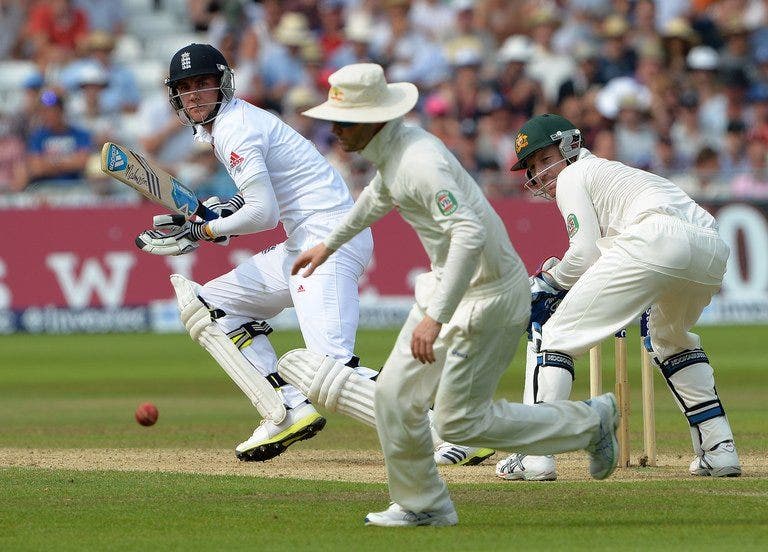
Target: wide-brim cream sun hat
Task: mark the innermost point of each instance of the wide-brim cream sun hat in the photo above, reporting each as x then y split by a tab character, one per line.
517	48
293	30
359	93
359	28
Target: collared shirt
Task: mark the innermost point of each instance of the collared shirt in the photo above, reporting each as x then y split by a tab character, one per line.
599	198
251	142
465	239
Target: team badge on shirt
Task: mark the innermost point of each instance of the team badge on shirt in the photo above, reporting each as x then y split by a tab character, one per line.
446	202
571	225
235	160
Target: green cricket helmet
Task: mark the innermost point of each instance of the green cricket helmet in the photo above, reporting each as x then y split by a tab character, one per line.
542	131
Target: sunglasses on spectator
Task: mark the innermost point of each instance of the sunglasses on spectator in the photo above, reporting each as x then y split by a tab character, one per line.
343	124
50	98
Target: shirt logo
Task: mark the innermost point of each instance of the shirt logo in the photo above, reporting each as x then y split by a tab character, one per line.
520	142
186	61
235	160
301	288
571	225
446	202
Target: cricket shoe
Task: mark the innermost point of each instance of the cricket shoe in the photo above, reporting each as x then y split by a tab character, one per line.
519	467
397	516
720	461
447	454
604	448
271	439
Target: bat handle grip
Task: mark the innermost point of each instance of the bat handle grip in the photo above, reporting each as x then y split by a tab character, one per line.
205	213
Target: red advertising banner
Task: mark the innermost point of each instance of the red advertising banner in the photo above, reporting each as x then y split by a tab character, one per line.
85	258
68	270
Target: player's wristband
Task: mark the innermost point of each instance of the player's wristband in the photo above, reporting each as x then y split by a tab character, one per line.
208	232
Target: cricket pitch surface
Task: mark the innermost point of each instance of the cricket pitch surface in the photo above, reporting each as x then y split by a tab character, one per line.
364	466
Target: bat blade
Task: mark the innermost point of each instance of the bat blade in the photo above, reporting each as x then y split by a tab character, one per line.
151	181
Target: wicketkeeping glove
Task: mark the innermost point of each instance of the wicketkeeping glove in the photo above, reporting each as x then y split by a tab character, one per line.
543	271
545	295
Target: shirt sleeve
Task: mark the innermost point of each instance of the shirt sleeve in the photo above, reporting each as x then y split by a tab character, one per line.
373	203
436	188
583	231
243	152
259	212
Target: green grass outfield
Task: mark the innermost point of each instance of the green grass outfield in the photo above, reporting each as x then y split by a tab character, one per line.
75	394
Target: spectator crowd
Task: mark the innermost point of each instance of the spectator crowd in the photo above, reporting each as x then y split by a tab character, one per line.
677	87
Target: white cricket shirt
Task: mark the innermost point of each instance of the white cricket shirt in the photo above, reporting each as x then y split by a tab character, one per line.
465	239
599	198
252	143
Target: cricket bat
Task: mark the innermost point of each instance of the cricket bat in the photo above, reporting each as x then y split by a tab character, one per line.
151	181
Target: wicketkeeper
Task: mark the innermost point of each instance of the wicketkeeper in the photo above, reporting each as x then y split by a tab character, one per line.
635	239
463	329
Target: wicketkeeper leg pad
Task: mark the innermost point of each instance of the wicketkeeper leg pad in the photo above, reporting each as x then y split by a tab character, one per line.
691	380
328	382
196	317
545	383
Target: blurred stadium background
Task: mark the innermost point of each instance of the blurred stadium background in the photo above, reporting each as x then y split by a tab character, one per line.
678	87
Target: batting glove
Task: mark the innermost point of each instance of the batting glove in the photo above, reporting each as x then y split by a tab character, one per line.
224	209
173	235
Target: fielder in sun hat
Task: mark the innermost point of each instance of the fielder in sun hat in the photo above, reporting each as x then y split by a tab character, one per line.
359	93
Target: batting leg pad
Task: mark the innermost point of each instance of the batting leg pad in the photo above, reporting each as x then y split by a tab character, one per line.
326	381
197	319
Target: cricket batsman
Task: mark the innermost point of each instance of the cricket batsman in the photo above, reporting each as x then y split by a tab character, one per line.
280	177
635	239
462	331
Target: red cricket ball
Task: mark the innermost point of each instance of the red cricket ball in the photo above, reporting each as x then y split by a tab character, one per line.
146	414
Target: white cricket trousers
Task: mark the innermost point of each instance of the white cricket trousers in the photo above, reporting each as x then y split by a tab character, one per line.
472	351
661	262
327	304
675	268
